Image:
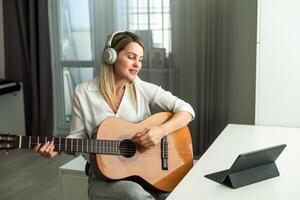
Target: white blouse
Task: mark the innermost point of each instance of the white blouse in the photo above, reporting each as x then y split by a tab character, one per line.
90	109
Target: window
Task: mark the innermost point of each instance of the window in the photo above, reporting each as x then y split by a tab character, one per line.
152	16
78	33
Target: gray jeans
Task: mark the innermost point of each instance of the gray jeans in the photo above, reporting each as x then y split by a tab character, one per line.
118	190
100	189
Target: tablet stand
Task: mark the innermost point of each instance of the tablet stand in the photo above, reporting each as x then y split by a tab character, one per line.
251	175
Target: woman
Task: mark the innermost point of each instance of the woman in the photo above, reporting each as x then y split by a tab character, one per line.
118	92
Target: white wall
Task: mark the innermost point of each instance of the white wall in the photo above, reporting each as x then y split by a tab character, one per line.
278	63
1	43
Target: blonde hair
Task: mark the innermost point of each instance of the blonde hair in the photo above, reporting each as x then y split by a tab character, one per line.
106	77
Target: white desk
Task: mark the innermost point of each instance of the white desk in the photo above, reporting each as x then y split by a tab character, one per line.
236	139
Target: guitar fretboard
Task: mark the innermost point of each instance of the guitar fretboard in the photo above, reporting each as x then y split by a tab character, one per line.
73	144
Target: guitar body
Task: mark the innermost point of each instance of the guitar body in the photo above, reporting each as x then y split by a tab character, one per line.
146	166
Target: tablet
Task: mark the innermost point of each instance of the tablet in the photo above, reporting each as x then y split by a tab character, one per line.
250	167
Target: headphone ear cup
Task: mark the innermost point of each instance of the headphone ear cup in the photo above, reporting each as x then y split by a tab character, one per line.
109	56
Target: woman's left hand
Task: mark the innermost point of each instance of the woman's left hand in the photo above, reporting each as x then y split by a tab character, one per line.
148	138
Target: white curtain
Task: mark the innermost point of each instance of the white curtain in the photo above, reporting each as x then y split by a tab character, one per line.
104	20
200	42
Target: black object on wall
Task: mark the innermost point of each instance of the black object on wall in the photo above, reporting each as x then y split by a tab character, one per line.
7	86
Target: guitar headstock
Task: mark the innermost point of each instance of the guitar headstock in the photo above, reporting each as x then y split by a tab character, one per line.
8	141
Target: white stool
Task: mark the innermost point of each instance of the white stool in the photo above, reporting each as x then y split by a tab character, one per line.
73	180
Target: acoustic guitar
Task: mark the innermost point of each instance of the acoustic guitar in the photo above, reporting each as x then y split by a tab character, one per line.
161	167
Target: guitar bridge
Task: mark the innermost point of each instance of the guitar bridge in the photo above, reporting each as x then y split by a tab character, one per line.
164	153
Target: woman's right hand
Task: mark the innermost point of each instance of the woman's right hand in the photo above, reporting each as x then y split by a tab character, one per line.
46	150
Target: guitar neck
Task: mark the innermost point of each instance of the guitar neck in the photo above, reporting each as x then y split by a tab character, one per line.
73	144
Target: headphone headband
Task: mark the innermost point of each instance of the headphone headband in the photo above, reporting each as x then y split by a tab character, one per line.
111	37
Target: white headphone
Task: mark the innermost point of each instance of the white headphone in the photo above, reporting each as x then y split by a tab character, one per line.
109	55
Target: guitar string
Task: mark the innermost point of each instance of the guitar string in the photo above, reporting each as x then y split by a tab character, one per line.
125	149
90	145
109	142
99	147
99	144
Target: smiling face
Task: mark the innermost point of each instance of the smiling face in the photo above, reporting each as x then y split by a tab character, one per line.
129	62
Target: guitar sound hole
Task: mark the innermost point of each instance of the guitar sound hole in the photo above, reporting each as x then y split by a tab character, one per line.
127	148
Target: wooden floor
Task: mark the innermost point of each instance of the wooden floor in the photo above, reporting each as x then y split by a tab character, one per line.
28	176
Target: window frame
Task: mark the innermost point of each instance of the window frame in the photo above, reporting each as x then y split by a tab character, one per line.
60	126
